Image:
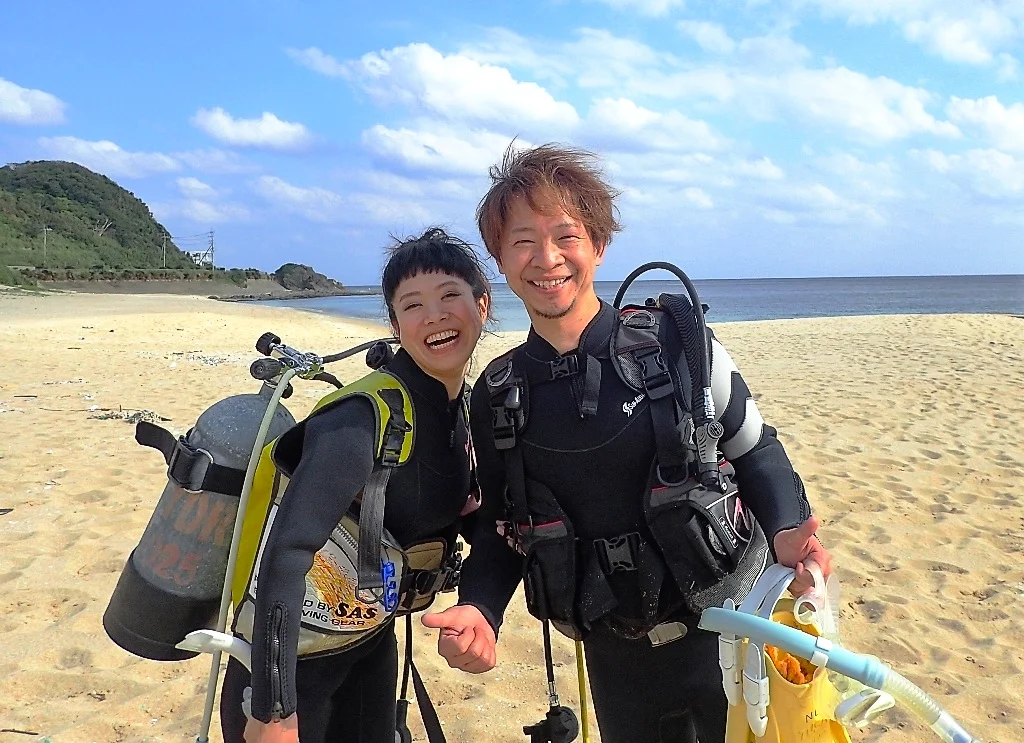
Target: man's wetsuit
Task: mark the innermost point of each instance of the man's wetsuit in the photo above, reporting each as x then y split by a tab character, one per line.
350	695
597	467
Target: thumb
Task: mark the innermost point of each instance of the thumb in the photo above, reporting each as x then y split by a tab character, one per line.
807	529
441	621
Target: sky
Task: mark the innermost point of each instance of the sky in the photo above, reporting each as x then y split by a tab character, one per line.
748	138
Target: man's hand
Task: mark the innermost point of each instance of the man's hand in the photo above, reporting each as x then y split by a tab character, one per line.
796	548
285	731
466	639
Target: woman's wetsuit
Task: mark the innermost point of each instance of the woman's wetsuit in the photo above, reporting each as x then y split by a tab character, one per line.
597	467
350	695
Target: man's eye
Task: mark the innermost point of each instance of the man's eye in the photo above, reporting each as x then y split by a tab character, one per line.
452	294
570	237
523	242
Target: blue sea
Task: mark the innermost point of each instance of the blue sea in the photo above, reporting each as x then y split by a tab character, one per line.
764	299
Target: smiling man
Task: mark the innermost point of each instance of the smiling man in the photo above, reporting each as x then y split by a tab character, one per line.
565	451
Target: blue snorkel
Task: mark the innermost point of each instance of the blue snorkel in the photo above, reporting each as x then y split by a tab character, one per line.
824	653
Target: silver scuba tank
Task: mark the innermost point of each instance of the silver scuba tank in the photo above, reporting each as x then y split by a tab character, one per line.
171	584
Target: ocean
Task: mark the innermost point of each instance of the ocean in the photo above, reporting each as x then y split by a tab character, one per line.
763	299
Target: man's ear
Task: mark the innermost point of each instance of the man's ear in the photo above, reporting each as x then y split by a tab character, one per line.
599	250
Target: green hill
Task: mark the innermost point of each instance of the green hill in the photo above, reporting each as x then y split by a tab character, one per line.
95	224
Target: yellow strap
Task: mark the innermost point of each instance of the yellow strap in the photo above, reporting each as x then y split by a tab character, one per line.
582	679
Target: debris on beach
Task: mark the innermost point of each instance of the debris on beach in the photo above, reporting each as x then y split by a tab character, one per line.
129	417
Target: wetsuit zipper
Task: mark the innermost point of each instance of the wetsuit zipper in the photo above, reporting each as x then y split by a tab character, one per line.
276	686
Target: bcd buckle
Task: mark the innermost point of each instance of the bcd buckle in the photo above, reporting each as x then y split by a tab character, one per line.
564	366
618	553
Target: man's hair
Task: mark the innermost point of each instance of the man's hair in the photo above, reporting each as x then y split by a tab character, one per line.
435	251
549	176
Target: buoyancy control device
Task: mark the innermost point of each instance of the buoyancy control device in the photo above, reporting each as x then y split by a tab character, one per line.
173	580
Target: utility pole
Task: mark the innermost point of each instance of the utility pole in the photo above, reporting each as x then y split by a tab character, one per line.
165	250
213	264
45	230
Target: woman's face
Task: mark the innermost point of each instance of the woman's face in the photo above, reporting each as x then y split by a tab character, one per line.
438	322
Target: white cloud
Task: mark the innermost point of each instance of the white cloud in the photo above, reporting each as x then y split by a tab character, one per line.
318	61
873	181
991	173
438	147
699	198
710	37
20	105
619	123
965	31
391	210
205	212
106	157
267	132
1004	125
766	77
314	203
458	87
816	202
195	188
875	109
1009	68
644	7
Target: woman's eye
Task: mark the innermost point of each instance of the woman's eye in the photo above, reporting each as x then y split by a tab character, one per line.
412	306
449	295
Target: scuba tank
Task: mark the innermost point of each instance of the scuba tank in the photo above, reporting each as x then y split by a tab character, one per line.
172	581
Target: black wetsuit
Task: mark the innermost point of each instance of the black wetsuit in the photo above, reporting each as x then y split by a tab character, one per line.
597	467
350	695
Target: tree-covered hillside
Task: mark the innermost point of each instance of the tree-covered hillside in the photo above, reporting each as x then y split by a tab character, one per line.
93	222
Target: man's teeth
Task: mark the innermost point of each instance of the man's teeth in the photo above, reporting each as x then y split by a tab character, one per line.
551	283
442	338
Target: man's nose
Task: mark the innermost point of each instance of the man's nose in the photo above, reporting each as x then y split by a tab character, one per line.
548	254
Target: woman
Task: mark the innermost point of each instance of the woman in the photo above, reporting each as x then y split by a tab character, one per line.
438	299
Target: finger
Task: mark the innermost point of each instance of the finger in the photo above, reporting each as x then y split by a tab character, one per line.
452	647
441	620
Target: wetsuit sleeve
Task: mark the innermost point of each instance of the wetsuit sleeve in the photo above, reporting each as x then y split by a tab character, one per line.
337	458
766	478
493	569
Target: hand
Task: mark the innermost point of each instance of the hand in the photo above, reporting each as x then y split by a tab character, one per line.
466	639
283	731
797	548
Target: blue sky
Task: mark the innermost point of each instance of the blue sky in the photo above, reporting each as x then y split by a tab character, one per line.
749	138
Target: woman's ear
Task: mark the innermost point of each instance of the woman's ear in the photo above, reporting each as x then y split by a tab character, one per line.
395	332
483	304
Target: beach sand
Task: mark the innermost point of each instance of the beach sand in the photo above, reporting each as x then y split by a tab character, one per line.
906	430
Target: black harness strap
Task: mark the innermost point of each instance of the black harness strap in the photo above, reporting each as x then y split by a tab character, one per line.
190	467
371	511
428	715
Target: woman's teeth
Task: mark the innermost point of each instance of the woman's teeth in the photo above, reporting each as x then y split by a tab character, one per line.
442	339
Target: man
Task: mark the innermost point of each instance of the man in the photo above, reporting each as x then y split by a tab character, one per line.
581	459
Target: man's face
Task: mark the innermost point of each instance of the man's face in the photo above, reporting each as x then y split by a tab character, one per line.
548	260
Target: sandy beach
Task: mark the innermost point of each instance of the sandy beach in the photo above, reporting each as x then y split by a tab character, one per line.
906	429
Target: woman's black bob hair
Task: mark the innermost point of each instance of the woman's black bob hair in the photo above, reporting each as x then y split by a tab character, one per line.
435	251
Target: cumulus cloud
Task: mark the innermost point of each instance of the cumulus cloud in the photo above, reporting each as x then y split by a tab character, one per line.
458	87
619	123
872	180
764	78
1009	68
318	61
266	132
201	204
710	37
875	109
195	188
991	173
20	105
814	202
698	197
437	147
106	157
314	203
1003	125
964	31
